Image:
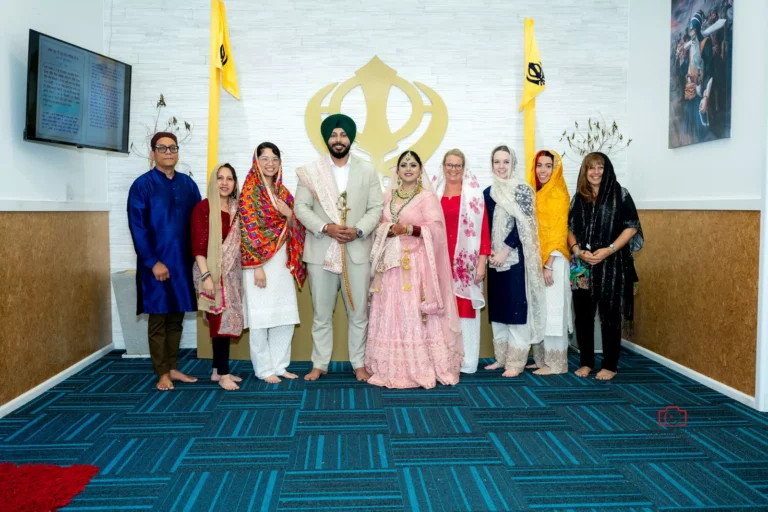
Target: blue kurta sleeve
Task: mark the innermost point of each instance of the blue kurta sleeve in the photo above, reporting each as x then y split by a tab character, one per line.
138	222
513	238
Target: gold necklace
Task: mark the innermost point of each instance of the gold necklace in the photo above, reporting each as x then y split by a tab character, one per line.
407	199
400	195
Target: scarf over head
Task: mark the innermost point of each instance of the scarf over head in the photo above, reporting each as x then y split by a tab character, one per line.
596	225
263	228
338	121
552	204
516	206
223	261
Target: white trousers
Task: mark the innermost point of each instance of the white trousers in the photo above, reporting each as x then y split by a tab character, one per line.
552	353
510	345
271	350
470	332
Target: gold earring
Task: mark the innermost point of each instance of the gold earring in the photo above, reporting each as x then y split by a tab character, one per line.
399	182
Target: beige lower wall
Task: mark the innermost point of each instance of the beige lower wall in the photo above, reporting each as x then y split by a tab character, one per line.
56	296
697	303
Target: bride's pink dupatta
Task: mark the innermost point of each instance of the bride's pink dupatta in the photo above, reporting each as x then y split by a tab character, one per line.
424	211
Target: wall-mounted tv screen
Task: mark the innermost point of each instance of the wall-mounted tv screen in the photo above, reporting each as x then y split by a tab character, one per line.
75	96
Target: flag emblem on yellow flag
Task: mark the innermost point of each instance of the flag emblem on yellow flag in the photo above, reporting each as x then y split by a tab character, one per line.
223	59
533	84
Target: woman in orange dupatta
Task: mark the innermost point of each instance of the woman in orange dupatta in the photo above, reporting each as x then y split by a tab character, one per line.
272	244
552	205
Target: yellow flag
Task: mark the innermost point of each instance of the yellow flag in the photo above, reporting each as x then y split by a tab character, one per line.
222	73
533	81
533	84
224	60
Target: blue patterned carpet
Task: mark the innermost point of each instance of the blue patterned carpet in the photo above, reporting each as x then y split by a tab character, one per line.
532	443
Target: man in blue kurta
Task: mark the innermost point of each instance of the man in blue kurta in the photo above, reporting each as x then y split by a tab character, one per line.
160	205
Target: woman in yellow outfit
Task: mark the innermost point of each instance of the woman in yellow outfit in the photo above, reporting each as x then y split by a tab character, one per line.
545	175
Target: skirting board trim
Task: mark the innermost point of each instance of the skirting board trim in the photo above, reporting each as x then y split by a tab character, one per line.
38	390
728	391
120	345
576	349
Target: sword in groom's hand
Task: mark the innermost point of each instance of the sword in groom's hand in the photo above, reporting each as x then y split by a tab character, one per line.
341	204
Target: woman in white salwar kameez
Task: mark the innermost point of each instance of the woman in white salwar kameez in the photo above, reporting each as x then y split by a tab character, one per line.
545	174
516	306
272	244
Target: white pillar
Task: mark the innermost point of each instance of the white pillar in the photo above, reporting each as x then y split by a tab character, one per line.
761	368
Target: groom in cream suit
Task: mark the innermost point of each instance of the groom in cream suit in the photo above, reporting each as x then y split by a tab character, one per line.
323	187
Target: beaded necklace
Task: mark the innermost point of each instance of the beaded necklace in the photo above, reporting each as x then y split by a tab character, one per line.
407	198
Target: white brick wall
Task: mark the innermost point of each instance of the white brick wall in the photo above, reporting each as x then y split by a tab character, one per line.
469	52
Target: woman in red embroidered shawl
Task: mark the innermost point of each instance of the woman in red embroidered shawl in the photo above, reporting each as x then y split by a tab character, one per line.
272	244
216	247
469	245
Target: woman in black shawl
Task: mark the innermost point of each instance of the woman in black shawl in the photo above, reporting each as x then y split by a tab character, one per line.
603	232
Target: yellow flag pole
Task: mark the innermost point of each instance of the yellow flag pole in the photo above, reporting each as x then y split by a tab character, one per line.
529	110
529	131
214	91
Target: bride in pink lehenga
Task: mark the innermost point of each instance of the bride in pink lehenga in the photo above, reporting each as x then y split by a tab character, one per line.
414	333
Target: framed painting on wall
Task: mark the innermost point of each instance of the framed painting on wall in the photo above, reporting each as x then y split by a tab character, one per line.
701	64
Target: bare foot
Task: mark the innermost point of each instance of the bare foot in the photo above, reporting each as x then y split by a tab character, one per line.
494	366
289	375
164	383
543	371
272	379
583	371
511	373
532	366
314	374
605	375
177	375
215	376
362	374
228	383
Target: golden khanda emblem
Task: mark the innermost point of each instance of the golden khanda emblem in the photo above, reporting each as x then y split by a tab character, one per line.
376	138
